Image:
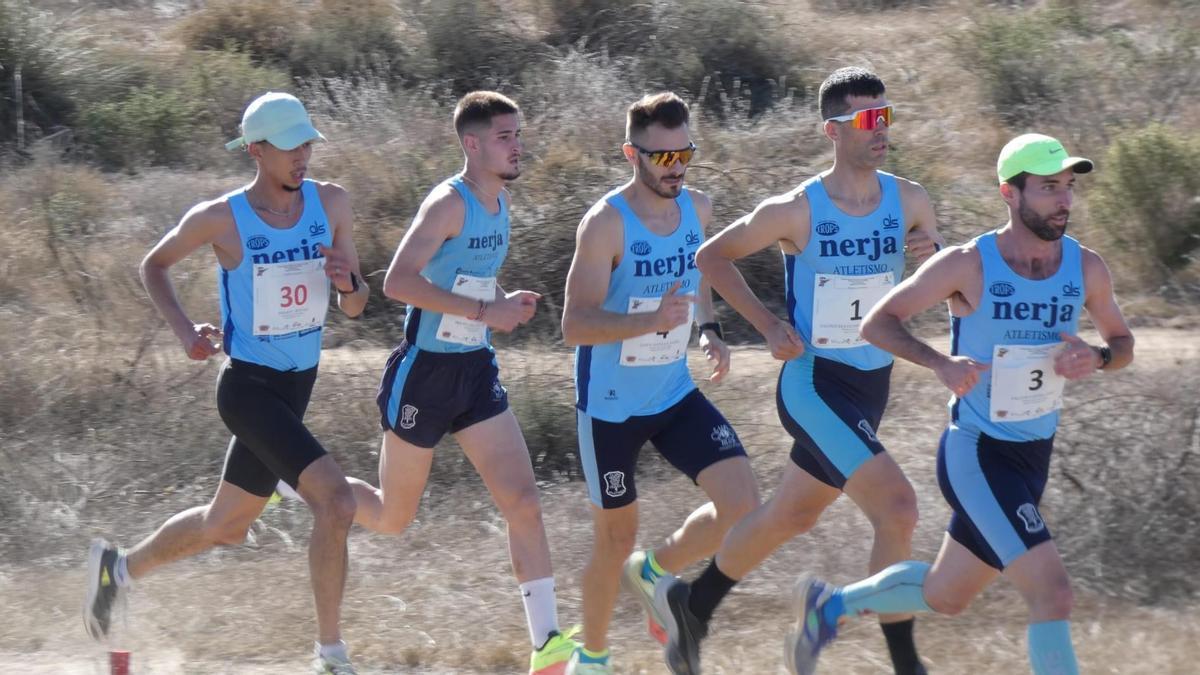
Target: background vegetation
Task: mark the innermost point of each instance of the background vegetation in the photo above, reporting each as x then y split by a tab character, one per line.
123	107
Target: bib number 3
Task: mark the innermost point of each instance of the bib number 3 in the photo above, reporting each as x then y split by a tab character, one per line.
1024	384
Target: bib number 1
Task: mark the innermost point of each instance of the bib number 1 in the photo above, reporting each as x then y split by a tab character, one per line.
839	305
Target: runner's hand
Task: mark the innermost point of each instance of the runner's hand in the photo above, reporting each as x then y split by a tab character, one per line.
511	311
783	341
337	268
1077	360
674	310
918	245
717	353
960	374
202	342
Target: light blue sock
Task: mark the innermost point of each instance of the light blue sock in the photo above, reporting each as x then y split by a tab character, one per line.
898	589
1050	650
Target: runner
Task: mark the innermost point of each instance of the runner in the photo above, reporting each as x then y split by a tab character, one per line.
1015	295
843	235
443	376
631	294
280	242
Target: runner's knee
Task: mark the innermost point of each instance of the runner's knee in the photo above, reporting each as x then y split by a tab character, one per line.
1053	600
616	540
897	514
521	506
733	508
336	505
944	600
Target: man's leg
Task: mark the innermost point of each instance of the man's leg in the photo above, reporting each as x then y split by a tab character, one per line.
324	488
733	492
224	521
1042	580
883	493
498	452
403	473
614	536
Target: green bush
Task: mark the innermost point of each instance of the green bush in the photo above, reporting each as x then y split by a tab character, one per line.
1147	197
1020	58
263	29
350	39
29	41
715	50
150	126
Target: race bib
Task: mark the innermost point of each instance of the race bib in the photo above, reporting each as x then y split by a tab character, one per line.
290	296
1024	384
459	329
655	349
839	305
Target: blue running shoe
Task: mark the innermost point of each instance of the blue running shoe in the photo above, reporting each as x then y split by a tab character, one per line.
811	632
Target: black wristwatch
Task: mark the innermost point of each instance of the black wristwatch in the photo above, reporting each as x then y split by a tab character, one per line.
714	327
353	285
1105	357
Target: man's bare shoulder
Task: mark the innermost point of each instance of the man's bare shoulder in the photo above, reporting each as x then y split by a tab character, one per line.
212	213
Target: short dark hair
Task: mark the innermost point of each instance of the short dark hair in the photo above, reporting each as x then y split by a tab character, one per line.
665	109
1018	181
844	83
479	107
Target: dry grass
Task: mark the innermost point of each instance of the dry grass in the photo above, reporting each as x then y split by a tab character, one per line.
106	429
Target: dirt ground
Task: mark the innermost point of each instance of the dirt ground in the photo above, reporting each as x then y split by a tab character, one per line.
441	599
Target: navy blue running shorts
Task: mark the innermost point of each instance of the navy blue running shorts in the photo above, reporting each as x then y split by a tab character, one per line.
423	394
692	435
994	488
832	410
264	408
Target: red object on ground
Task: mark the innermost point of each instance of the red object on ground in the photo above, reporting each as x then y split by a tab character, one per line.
118	662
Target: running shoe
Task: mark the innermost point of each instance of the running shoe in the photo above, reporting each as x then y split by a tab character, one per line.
574	667
102	591
684	630
811	632
643	590
552	658
333	665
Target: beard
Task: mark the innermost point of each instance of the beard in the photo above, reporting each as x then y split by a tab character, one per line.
511	175
1040	225
656	184
290	188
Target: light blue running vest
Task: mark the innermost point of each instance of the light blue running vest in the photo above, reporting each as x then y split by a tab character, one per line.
650	263
263	244
1014	311
478	251
845	245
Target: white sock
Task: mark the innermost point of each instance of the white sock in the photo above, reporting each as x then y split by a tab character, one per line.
337	649
541	609
121	572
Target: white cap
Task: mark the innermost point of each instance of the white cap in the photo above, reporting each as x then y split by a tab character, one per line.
278	118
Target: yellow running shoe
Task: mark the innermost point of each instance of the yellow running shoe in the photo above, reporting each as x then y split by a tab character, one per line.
643	590
552	658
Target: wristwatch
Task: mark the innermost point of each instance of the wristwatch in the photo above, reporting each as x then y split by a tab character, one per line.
714	327
1105	357
353	285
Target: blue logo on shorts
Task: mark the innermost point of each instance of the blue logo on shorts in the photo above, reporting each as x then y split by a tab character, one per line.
640	248
827	228
257	242
1002	289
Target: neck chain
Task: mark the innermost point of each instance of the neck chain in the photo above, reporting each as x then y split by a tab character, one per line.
263	207
480	187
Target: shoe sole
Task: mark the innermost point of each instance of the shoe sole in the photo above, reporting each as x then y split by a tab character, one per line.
95	557
661	592
630	579
792	641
